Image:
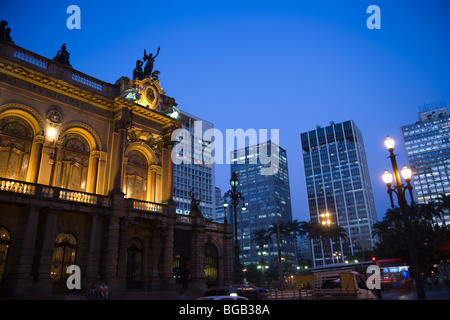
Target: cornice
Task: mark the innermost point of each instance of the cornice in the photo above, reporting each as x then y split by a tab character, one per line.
57	85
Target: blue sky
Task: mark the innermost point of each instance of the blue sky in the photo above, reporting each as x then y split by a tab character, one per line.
287	65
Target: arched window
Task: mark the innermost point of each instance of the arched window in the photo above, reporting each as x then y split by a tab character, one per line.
16	139
211	265
136	175
64	254
5	239
73	163
134	264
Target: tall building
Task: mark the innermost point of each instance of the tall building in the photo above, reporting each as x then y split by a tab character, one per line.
338	183
268	202
197	173
427	148
219	214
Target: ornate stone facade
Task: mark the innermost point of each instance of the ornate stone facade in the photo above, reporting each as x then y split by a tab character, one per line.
86	179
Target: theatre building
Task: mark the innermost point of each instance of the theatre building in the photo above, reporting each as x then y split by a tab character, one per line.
86	180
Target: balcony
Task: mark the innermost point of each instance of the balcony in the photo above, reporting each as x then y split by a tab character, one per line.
35	190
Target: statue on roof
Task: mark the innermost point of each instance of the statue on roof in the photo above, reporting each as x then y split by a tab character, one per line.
137	72
5	32
62	55
149	64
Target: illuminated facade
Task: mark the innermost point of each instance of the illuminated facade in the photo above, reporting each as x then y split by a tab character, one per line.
86	178
427	147
338	183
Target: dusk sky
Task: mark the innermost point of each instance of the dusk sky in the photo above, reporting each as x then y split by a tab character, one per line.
287	65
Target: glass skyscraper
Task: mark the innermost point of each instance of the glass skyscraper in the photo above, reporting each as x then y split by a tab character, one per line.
268	202
197	175
427	147
338	183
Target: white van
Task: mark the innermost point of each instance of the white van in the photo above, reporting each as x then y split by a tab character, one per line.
338	285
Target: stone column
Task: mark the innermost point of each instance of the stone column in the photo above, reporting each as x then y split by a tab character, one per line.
198	252
92	172
118	154
54	162
100	184
25	262
45	282
92	255
167	171
151	184
111	256
35	159
120	128
167	257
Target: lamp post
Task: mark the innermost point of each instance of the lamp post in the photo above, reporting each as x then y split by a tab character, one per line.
399	189
235	196
326	223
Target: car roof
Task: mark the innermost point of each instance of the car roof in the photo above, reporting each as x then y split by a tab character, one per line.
222	298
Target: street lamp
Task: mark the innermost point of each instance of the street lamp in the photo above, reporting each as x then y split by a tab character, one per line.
235	196
326	219
337	255
399	189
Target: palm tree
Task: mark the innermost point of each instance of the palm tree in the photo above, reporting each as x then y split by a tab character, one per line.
261	237
336	233
393	216
294	229
428	211
311	230
444	204
278	229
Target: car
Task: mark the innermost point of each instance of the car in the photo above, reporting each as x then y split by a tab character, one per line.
247	291
230	297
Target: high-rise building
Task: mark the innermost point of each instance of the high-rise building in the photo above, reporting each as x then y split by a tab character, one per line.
338	183
427	148
197	174
268	202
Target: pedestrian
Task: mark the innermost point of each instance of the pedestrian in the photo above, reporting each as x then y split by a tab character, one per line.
104	290
186	281
93	290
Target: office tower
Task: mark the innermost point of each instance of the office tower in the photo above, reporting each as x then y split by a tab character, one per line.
219	212
338	183
197	175
268	202
427	148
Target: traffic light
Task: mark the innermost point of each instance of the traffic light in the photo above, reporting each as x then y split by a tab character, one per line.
374	260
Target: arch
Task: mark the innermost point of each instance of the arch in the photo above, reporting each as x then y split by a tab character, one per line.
134	261
26	113
5	240
83	130
211	264
16	143
136	175
139	180
73	160
145	149
64	254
